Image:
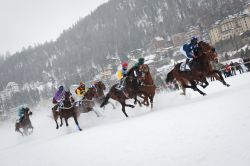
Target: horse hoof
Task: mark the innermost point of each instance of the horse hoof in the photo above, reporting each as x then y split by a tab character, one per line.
132	106
80	129
227	85
204	94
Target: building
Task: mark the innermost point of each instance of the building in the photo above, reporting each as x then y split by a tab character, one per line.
179	39
107	73
232	26
158	43
193	31
136	54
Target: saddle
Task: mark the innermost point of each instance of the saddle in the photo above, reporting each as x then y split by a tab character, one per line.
88	103
184	66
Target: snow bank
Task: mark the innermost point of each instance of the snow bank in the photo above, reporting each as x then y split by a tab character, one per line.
184	131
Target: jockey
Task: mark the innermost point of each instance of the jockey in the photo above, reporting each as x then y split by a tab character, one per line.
81	90
121	74
21	112
189	51
95	84
58	97
136	68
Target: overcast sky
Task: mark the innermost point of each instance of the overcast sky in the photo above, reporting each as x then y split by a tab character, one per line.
26	22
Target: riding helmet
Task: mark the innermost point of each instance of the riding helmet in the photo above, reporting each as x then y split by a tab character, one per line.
194	40
61	88
125	64
141	61
26	108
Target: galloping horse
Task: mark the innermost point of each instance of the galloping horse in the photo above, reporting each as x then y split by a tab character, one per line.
66	111
200	69
147	88
129	92
87	104
100	88
25	124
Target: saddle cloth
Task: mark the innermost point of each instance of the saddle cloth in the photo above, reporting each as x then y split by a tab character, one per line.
184	67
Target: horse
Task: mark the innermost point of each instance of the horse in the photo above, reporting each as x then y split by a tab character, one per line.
128	92
147	88
100	88
200	69
25	124
87	103
67	110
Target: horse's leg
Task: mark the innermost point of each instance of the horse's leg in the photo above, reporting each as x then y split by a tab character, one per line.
112	105
146	100
137	101
61	121
205	82
123	108
129	105
183	90
55	118
220	77
195	88
151	101
76	121
97	114
18	129
183	87
30	127
25	131
66	121
20	132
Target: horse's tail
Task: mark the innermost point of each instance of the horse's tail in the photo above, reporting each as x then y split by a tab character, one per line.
16	126
170	77
105	102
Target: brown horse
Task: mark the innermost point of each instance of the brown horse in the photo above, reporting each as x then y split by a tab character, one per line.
129	92
25	124
87	103
200	69
99	98
67	110
147	88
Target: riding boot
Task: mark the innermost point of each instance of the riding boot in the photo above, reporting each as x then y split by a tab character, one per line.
187	67
120	85
21	119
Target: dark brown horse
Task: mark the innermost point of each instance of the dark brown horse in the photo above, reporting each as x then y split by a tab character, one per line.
67	110
87	103
129	92
25	124
147	88
200	69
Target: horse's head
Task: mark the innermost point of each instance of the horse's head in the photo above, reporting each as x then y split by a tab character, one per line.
27	113
144	68
207	51
92	92
67	95
100	85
